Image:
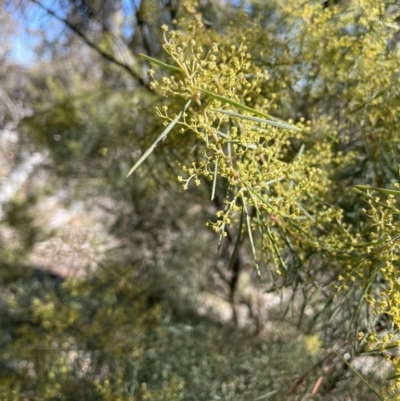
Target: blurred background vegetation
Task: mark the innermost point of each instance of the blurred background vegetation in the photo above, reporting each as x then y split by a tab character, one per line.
112	288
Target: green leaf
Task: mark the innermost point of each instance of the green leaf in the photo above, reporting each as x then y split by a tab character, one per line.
378	351
358	188
258	120
215	179
359	375
266	396
158	140
283	267
246	108
160	63
373	272
393	377
381	190
237	242
253	248
261	224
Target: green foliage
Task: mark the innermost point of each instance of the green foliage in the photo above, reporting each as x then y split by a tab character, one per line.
84	338
101	338
279	184
275	113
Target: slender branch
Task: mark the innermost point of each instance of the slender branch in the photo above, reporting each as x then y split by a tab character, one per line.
301	379
91	44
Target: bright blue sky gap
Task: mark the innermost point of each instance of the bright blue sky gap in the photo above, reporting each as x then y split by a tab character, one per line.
32	23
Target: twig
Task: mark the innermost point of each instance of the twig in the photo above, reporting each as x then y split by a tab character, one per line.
91	44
